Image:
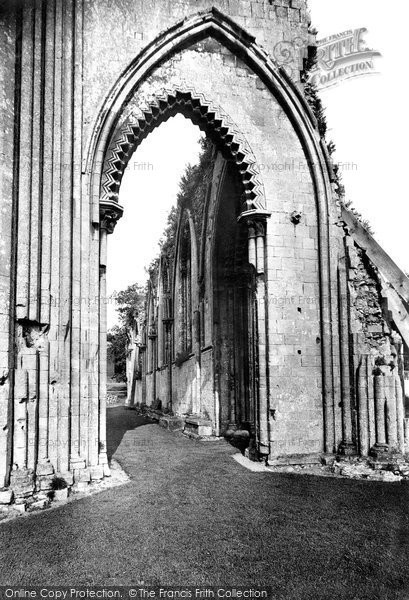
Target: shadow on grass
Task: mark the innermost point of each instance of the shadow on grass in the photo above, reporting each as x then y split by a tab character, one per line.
121	419
240	443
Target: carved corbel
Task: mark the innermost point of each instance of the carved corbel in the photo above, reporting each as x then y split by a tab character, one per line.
110	212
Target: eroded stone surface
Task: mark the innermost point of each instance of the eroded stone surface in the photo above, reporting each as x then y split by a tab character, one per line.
6	496
43	501
265	261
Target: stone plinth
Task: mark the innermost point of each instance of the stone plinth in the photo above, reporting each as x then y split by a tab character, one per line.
198	427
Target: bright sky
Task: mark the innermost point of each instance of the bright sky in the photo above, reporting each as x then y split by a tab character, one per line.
368	121
148	192
368	117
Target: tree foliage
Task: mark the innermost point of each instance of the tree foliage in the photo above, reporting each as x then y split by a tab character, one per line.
117	338
190	195
131	310
131	304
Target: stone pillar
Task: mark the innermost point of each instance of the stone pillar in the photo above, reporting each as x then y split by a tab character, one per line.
400	412
9	35
252	245
198	367
143	351
256	221
168	323
363	407
391	417
406	433
389	411
380	412
110	212
347	446
371	401
153	337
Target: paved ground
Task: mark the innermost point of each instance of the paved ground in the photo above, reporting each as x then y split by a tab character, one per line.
192	515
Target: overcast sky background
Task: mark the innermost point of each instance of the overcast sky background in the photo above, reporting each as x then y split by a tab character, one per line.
367	119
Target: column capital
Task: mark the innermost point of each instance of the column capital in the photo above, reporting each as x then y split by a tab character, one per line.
253	216
152	331
109	213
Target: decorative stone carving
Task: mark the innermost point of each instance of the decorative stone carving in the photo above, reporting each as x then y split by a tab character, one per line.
202	112
110	212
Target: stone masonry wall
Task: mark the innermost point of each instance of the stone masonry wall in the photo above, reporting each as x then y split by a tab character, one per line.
292	250
72	54
115	32
7	113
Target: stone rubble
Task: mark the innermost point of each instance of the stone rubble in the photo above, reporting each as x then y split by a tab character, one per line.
114	476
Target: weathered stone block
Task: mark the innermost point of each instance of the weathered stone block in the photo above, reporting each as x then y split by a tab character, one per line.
298	459
68	476
44	468
97	473
61	495
386	476
294	15
6	496
257	10
22	482
81	486
198	426
171	423
46	482
77	463
39	504
84	475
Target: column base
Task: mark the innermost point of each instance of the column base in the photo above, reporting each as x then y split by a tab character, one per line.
44	467
381	457
347	449
76	463
103	458
263	450
379	451
22	482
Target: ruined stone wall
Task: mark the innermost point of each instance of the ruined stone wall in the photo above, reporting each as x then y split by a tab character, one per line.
292	250
115	32
183	387
80	57
7	114
208	400
53	409
376	360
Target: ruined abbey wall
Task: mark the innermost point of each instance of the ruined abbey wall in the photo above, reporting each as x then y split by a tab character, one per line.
82	83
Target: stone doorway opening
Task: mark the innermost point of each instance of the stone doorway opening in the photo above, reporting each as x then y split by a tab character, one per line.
192	350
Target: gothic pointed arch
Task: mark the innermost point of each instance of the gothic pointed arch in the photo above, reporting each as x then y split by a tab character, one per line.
186	286
206	23
118	118
141	119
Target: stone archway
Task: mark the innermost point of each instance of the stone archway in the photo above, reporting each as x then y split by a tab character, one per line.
212	69
139	118
214	25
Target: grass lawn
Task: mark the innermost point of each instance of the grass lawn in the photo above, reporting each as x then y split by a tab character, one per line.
191	515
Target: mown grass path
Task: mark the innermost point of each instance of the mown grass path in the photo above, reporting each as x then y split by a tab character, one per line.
191	515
